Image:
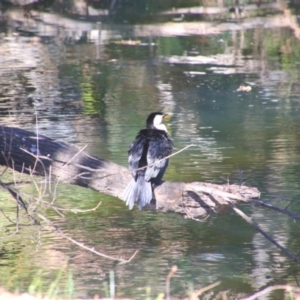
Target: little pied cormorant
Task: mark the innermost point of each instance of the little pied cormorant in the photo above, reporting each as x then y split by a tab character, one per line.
148	149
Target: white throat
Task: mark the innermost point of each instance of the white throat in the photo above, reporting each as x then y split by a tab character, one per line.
161	127
157	123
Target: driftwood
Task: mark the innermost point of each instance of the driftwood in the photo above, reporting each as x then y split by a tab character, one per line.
27	152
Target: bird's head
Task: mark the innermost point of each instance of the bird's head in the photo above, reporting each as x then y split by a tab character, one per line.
154	121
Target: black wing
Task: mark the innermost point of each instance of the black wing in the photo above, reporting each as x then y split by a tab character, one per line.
149	148
160	146
135	152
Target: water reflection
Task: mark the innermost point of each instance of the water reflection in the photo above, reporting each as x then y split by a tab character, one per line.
93	83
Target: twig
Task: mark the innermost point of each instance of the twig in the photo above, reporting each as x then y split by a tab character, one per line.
6	168
20	201
286	287
177	152
38	158
15	195
173	154
127	171
80	150
268	237
14	174
62	234
8	218
168	279
76	210
17	218
37	139
195	295
130	259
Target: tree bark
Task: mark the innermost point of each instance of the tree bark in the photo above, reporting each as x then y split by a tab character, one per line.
24	151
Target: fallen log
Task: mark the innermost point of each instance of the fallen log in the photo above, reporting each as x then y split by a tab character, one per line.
35	154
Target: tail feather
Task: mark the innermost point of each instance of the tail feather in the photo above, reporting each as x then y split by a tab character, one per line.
145	195
129	194
138	191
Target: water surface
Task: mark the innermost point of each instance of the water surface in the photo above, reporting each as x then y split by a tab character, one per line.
94	84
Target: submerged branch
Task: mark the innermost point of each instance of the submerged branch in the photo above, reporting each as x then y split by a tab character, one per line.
267	236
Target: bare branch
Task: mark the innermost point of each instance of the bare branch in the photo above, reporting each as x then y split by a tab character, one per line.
76	210
72	158
8	218
195	295
173	154
54	228
168	279
274	207
19	200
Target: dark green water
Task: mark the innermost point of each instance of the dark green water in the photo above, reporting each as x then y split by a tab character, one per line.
94	84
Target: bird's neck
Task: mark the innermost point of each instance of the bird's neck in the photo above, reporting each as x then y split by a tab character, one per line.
158	127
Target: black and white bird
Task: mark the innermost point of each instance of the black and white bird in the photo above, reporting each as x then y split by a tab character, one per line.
146	160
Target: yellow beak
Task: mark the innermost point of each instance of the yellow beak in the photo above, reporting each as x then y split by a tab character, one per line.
167	117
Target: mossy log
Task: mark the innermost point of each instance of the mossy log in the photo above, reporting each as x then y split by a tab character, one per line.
29	153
